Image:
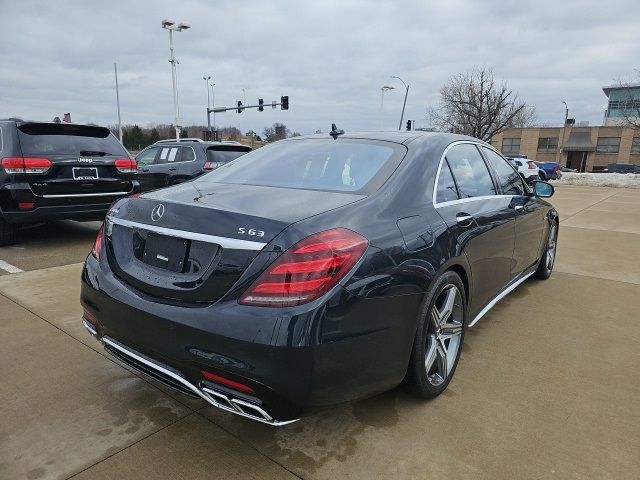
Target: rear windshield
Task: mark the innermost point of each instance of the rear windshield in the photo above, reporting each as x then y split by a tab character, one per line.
344	165
61	139
226	154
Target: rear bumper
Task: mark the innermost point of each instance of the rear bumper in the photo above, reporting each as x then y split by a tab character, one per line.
288	360
81	206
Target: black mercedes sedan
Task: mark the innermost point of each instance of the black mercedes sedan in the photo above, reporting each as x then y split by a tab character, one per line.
316	270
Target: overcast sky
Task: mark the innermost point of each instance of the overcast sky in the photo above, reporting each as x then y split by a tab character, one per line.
330	56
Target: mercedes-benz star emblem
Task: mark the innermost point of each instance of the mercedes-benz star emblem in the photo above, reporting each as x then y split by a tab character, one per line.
157	212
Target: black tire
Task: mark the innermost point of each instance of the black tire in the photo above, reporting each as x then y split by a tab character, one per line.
9	234
542	175
547	260
428	382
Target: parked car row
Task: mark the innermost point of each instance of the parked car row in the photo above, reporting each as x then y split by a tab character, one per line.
55	171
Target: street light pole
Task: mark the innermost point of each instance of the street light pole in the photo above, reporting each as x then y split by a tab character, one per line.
206	83
406	94
171	26
115	69
383	89
564	127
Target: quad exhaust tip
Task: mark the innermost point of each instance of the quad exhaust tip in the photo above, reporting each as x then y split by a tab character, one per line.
170	377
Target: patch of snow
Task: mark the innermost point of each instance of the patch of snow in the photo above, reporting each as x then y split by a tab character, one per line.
621	180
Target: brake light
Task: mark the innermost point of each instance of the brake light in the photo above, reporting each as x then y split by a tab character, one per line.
126	165
97	245
307	270
26	165
208	166
532	166
227	382
26	205
556	169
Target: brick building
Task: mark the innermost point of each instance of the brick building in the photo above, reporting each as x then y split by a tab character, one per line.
584	148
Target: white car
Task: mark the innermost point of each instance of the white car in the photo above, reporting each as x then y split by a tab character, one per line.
527	168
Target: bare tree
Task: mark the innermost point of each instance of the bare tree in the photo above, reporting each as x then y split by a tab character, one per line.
474	103
630	102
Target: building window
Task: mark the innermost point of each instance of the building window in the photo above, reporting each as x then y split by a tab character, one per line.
608	145
510	145
547	144
635	146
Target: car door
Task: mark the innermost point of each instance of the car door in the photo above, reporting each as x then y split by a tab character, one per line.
529	213
146	159
165	166
481	220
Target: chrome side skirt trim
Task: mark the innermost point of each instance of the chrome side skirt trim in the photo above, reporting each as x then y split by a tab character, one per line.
500	296
217	399
90	328
74	195
224	242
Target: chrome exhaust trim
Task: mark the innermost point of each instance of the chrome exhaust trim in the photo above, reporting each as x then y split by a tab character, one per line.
90	328
213	397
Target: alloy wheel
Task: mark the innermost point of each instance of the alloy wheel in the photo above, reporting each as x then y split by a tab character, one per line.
444	335
551	247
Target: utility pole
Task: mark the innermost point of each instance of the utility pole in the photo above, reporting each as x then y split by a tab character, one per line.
115	69
406	94
171	26
206	79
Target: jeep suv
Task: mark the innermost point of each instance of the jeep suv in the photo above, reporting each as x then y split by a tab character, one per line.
55	171
169	162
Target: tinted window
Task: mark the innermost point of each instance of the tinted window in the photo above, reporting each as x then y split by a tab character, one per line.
167	154
509	179
64	139
147	157
224	155
344	165
446	190
470	172
187	154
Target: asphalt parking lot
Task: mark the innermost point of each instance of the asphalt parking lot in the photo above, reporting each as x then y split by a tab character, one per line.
547	387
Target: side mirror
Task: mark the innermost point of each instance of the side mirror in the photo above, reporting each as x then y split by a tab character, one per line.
542	189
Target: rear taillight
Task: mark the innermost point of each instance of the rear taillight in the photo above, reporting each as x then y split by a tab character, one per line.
97	245
556	169
307	270
532	166
26	165
126	165
208	166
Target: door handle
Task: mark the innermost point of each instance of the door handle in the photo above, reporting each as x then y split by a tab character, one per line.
464	219
518	208
172	169
144	169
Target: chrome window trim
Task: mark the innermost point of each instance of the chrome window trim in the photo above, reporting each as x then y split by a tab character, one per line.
224	242
1	139
73	195
499	297
437	204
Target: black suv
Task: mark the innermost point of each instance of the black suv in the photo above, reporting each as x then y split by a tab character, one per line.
55	171
169	162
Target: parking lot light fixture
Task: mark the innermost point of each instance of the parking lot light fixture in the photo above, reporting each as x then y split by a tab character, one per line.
171	26
383	89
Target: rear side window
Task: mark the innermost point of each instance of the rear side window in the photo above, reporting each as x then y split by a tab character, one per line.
345	165
446	190
224	155
510	180
64	139
470	172
167	155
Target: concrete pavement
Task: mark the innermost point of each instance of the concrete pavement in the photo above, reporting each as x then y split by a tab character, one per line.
547	386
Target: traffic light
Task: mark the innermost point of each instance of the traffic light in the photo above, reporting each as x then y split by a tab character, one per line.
239	107
408	125
260	105
284	102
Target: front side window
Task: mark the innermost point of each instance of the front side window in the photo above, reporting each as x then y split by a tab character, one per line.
635	146
510	180
510	145
346	165
446	190
147	157
469	171
608	145
547	144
